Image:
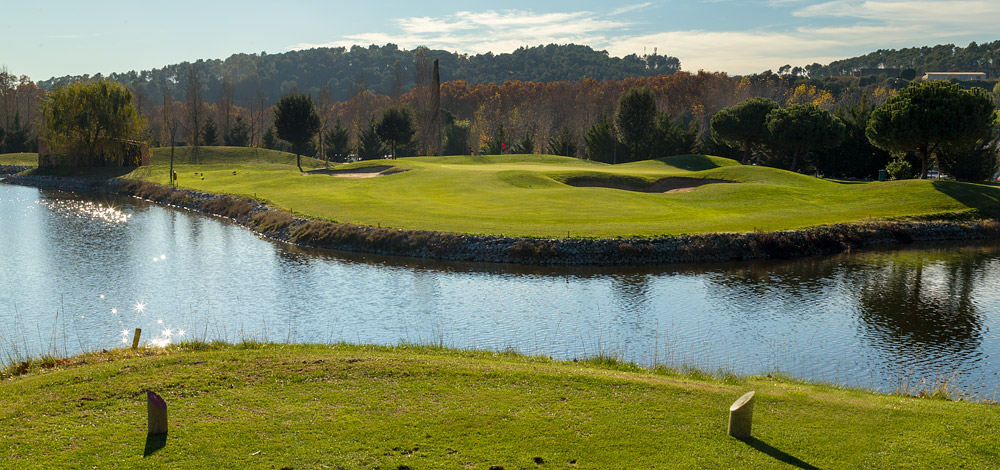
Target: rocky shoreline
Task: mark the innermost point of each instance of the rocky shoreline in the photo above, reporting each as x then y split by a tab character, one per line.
711	247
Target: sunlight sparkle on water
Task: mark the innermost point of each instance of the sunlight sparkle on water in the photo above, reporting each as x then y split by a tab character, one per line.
114	310
89	209
124	332
140	306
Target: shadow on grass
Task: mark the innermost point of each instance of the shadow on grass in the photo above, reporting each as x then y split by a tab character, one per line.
983	198
154	443
689	162
777	454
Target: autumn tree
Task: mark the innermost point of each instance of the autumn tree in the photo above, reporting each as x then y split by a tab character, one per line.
296	121
930	117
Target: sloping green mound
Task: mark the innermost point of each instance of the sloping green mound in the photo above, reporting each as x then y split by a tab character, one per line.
299	406
541	195
19	159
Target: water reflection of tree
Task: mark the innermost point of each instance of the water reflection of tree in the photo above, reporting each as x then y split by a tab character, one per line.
631	291
795	278
923	304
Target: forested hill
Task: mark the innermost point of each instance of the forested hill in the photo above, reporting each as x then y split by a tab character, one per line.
383	69
942	58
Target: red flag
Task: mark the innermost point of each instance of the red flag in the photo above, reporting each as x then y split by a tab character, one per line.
503	145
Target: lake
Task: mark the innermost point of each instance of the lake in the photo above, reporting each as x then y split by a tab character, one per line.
81	273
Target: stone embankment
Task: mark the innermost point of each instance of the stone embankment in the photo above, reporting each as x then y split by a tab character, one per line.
12	169
711	247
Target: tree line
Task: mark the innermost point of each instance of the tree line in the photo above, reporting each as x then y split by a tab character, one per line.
386	70
677	113
925	123
941	58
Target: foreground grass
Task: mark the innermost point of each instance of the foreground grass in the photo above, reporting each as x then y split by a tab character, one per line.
309	406
19	159
527	195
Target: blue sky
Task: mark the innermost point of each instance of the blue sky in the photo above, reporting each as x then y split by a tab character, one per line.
56	37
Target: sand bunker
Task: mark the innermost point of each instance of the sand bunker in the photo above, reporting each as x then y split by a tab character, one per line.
663	185
363	172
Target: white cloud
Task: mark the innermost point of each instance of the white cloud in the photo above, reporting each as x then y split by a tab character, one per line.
962	14
827	31
479	32
630	8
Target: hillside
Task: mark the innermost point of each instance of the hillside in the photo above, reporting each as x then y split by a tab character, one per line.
941	58
382	69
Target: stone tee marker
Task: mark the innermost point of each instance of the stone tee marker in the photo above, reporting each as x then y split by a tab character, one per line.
741	416
156	411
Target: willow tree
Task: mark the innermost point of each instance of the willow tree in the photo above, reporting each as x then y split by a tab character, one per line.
930	118
94	120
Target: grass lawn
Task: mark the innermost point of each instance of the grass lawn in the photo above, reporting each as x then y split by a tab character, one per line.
527	195
19	159
311	406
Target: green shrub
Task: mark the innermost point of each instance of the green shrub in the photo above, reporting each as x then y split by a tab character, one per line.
899	169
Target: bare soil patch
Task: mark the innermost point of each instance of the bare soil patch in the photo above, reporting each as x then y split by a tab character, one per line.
363	172
673	184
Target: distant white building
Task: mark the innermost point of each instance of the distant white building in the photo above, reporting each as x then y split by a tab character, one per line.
961	76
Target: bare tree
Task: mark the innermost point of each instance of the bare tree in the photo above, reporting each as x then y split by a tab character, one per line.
226	100
137	93
195	105
8	96
434	131
258	102
170	125
325	105
397	84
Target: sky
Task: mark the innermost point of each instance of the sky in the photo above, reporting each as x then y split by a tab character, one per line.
56	37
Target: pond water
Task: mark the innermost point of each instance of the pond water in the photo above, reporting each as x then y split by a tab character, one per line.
82	273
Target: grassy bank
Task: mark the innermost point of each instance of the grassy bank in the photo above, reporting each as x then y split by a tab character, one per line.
307	406
19	159
529	195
